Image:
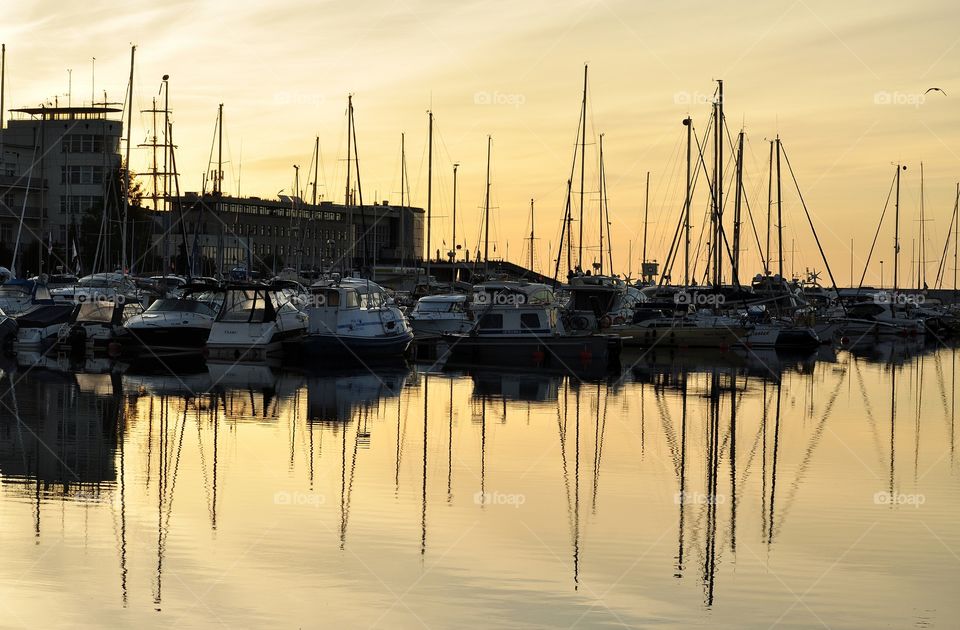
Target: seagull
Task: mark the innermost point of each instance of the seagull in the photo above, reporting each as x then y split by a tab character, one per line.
935	89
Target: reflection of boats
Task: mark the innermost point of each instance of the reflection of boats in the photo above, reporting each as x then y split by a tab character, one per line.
763	363
886	350
335	397
518	386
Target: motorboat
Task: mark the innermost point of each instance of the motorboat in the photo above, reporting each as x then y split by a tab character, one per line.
38	328
176	323
95	324
598	301
8	329
19	296
352	319
518	324
253	322
441	314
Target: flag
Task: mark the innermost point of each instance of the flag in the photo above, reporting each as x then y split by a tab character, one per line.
49	243
75	258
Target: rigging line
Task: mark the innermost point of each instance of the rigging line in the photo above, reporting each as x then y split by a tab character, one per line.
943	257
810	221
877	234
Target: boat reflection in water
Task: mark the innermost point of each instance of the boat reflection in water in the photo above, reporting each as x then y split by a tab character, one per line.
678	487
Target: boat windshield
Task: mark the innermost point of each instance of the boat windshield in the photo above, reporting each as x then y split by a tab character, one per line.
246	305
14	291
431	306
95	311
182	306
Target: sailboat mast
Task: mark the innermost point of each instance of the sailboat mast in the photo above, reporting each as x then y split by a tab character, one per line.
316	174
486	213
569	219
349	243
717	249
600	187
766	262
531	234
779	215
896	232
738	194
429	188
646	210
218	180
583	152
688	122
126	170
403	184
922	257
453	246
956	233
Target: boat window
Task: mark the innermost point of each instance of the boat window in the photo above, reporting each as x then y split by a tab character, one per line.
13	292
95	311
327	297
529	320
353	300
242	306
130	310
491	321
183	306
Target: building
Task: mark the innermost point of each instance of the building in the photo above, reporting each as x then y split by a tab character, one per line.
55	164
228	232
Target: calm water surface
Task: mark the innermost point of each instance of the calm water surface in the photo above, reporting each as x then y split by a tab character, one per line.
689	490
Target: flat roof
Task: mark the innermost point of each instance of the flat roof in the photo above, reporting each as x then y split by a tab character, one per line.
66	110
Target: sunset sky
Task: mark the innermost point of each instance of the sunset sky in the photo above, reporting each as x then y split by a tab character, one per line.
842	83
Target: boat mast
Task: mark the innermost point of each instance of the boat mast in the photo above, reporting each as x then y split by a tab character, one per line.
583	151
736	212
688	123
486	214
766	262
718	182
569	221
646	209
218	185
403	183
921	250
453	247
956	233
600	186
346	195
531	234
316	173
126	170
779	215
896	231
429	188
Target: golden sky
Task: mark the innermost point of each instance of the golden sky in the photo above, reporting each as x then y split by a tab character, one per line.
842	83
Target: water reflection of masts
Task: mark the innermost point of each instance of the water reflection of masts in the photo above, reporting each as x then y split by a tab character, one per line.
713	456
121	432
423	500
773	470
166	485
683	473
450	446
346	488
576	496
893	416
599	431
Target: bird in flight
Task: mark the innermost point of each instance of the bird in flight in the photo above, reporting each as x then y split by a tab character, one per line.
935	89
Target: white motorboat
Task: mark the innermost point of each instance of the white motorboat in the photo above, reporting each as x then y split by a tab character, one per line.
253	322
441	314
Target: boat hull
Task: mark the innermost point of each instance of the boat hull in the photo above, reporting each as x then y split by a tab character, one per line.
166	338
314	349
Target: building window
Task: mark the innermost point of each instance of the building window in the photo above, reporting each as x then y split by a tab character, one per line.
82	143
81	174
77	204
